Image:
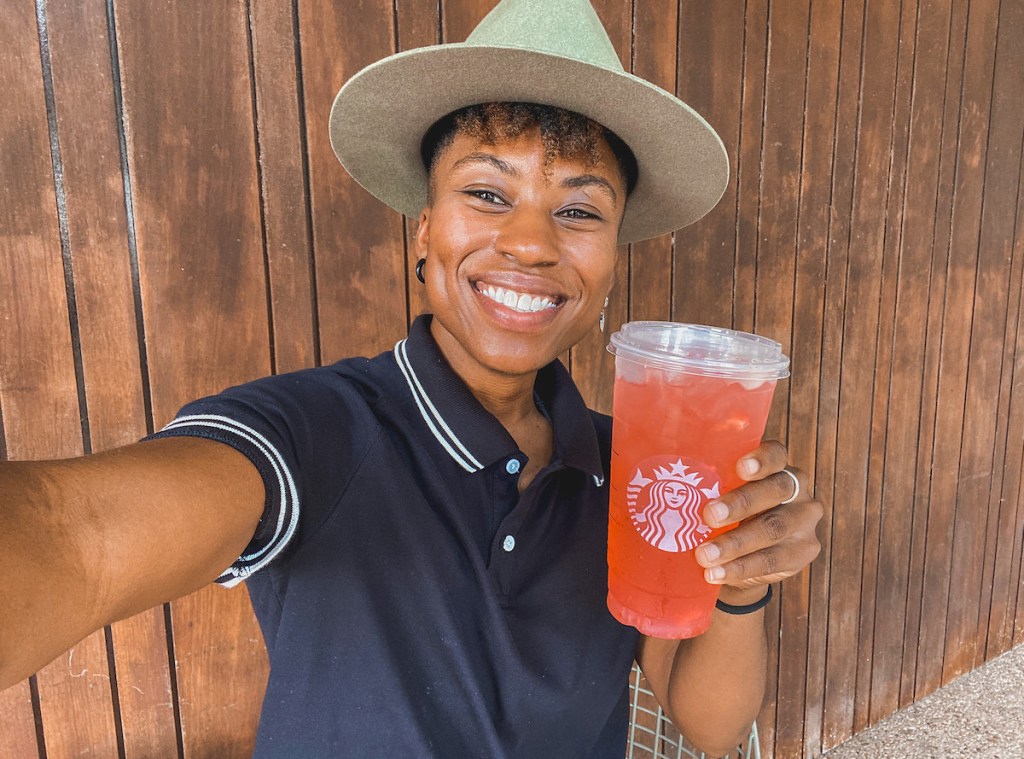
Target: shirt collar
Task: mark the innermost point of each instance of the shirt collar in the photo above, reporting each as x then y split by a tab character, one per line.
469	433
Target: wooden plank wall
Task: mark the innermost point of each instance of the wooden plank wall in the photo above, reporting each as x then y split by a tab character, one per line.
172	221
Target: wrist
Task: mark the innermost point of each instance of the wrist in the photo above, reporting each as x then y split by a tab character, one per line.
740	601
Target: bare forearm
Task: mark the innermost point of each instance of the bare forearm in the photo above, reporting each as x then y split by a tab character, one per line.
46	602
712	686
86	541
718	680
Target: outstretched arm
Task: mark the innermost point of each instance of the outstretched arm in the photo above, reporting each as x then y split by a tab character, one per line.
87	541
712	686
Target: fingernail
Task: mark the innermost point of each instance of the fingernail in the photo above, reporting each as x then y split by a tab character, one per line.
718	512
710	552
749	467
715	574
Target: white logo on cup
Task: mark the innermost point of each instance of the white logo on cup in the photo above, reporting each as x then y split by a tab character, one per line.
664	500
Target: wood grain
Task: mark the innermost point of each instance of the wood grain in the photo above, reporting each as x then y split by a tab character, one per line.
709	75
98	239
847	523
192	157
284	193
955	459
38	381
921	288
655	27
929	641
907	292
775	314
882	567
807	447
999	275
357	241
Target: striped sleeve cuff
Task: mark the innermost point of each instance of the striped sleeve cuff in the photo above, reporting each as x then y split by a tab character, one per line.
281	510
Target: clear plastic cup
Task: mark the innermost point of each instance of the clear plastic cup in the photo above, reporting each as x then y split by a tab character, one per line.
690	400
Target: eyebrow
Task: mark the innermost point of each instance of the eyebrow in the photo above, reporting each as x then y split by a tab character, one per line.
582	180
503	166
591	180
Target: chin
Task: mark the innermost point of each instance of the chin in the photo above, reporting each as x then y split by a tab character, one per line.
511	359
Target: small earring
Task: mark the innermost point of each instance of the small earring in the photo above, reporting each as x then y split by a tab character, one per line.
419	270
601	322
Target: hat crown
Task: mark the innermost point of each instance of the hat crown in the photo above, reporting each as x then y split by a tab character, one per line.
567	28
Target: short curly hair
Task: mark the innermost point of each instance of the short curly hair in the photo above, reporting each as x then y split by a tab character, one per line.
564	134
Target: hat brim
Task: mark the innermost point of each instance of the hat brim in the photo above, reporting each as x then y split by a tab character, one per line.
380	116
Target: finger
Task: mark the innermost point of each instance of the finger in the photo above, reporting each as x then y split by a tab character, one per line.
767	459
754	498
767	565
792	524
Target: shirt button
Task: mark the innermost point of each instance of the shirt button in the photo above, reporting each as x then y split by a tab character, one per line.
509	543
512	467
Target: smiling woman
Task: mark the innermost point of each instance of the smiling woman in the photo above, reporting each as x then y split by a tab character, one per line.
423	532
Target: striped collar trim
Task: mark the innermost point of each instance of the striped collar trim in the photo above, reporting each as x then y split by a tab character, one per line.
469	433
432	417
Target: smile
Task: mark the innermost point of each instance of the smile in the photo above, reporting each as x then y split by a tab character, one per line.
521	302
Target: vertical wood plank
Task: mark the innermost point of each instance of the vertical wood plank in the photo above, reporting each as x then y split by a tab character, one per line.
98	242
927	644
844	540
1016	604
18	738
655	29
188	110
1002	619
900	526
877	566
38	383
954	451
285	199
192	161
357	241
748	175
825	22
709	75
785	89
860	332
1009	442
1000	216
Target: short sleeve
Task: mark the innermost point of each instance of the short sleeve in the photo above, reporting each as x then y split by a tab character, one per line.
303	432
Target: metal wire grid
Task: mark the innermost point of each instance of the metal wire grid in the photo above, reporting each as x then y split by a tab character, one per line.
653	736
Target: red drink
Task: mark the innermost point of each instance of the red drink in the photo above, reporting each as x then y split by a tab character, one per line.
676	440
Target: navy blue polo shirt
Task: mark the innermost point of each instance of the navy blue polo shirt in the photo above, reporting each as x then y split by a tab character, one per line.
413	603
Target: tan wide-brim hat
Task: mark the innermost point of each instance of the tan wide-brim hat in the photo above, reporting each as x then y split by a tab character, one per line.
551	52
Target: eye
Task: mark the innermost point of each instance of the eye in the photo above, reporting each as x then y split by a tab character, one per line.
578	214
487	196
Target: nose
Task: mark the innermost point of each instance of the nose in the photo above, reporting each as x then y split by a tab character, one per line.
529	236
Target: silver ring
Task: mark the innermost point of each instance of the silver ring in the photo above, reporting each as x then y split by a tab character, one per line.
796	487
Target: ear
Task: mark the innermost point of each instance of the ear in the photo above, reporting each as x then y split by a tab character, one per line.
423	233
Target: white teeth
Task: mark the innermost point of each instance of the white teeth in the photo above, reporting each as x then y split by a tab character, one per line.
520	302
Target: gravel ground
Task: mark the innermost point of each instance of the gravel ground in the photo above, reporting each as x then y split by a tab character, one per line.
978	715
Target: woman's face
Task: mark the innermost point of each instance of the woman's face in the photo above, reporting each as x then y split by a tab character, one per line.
520	257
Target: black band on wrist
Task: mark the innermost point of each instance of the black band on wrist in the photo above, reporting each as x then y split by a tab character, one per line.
748	609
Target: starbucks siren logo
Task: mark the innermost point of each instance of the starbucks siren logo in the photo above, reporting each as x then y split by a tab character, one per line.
664	499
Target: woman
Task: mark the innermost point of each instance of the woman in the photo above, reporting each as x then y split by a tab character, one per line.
424	532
